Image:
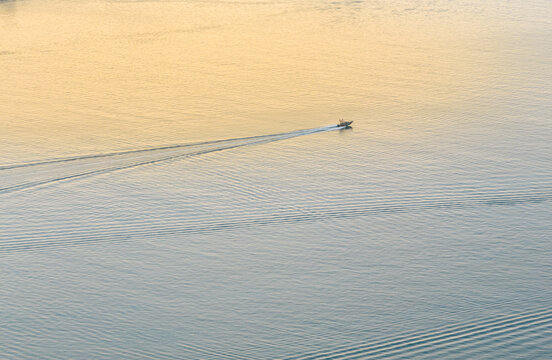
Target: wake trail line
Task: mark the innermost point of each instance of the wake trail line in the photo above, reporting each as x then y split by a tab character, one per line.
20	239
164	147
42	172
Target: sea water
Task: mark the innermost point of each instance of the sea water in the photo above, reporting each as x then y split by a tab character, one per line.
172	185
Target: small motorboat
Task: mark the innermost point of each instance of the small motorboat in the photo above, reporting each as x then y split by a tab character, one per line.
344	124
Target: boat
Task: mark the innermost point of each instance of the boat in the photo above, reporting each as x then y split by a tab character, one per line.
344	124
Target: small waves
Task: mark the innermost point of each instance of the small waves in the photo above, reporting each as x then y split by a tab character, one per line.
20	238
31	174
521	330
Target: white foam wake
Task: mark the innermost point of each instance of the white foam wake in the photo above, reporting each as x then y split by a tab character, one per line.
16	177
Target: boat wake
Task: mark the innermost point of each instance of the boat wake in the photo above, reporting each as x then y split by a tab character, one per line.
46	237
502	335
17	177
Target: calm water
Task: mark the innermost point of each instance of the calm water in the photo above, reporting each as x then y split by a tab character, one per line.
171	187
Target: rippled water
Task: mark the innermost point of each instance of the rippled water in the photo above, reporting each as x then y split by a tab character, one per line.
172	186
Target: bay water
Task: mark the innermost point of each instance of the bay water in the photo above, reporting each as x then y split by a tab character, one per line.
173	185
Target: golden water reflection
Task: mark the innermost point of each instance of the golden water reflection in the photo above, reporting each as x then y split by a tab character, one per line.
91	76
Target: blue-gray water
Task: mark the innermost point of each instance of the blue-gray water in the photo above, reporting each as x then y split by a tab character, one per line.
172	187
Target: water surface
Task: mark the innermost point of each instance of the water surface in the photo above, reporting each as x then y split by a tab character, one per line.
171	186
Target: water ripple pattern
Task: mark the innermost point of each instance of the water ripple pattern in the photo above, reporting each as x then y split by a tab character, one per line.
42	172
21	239
526	334
424	232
